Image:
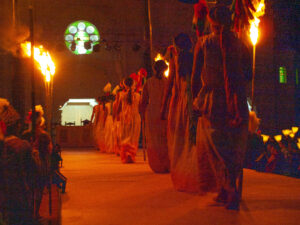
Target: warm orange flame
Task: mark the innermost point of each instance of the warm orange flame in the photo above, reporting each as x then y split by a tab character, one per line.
286	132
260	11
292	135
278	138
295	129
265	138
159	57
43	59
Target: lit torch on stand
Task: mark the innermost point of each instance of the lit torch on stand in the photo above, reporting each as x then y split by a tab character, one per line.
43	60
48	73
254	37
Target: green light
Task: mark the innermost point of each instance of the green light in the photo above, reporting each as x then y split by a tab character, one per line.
81	37
282	75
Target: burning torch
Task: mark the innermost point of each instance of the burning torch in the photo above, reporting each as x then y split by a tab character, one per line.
254	23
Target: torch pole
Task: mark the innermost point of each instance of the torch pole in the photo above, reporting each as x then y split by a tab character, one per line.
14	14
33	116
253	78
150	30
48	119
148	38
48	104
144	139
147	57
51	106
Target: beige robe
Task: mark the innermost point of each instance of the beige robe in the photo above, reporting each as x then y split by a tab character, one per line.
130	126
222	143
156	129
99	126
109	129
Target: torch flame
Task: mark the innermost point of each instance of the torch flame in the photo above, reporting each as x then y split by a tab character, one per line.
42	58
260	11
159	57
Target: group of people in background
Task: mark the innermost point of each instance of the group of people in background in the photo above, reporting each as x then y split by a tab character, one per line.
279	154
27	161
116	120
195	121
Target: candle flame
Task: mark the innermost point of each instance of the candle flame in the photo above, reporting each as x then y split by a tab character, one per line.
260	11
265	138
292	135
295	129
286	132
159	57
42	58
278	138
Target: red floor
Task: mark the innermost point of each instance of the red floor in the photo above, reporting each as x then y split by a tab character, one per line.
101	190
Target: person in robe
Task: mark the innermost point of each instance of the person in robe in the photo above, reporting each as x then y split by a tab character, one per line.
43	144
130	122
98	119
225	67
180	124
273	164
95	117
156	129
42	149
116	120
117	115
108	128
17	163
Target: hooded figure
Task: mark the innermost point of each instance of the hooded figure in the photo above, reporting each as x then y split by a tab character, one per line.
225	67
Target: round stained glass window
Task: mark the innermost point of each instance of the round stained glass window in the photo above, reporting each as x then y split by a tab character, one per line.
81	37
